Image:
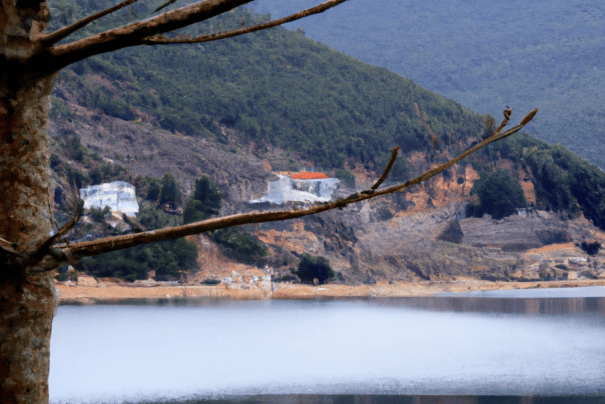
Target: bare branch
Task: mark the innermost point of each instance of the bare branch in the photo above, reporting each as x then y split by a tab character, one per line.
164	5
507	112
63	230
7	247
162	40
54	37
388	169
148	31
96	247
133	34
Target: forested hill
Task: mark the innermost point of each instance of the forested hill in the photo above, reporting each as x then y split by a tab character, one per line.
275	87
545	53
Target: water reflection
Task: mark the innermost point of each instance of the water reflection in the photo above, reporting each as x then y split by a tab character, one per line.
500	305
275	350
391	399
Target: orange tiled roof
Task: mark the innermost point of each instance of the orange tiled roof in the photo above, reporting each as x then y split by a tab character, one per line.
308	176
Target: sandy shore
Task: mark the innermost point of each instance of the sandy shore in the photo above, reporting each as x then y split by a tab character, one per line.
90	295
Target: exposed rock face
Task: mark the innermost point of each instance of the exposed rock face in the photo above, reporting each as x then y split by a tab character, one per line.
516	233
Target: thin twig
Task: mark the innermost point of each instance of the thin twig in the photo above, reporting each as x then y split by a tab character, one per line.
63	230
507	113
388	169
96	247
164	5
162	40
55	36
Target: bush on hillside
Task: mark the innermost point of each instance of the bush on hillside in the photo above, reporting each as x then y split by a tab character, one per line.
499	195
205	201
310	268
245	246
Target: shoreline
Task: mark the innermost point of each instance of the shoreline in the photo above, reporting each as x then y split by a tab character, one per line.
92	295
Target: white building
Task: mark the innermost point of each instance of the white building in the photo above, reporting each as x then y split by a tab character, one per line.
286	189
120	196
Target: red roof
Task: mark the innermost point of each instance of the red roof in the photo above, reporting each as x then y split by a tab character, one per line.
309	176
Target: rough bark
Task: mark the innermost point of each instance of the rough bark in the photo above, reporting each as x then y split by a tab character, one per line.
25	206
26	309
27	302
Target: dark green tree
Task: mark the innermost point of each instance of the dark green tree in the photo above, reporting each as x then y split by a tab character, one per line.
170	194
310	268
499	195
153	192
346	177
205	201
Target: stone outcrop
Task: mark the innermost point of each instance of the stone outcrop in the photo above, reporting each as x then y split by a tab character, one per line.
87	281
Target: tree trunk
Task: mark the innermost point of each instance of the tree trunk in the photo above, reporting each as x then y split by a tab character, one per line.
26	310
27	291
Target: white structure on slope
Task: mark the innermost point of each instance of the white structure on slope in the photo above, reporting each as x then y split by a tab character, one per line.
286	189
120	196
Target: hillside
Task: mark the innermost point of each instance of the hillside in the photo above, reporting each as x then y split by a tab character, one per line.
282	90
544	54
241	109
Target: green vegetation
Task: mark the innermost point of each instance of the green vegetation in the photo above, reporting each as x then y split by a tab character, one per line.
98	215
275	87
310	268
169	259
205	201
279	89
245	247
346	177
153	192
499	195
563	181
170	194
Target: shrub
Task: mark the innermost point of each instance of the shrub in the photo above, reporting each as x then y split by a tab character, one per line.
247	247
591	248
499	195
205	201
310	268
170	194
346	177
211	282
97	215
153	192
452	233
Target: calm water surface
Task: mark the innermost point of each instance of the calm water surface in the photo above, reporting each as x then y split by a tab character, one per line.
506	348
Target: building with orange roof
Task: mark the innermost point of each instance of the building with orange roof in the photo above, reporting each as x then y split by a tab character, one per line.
305	175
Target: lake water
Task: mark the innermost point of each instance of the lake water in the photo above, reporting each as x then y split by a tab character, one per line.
499	347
